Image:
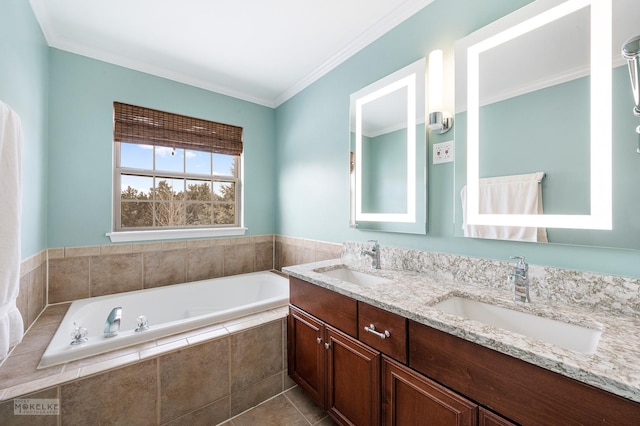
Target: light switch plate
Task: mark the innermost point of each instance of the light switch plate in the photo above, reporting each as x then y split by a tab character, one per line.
443	152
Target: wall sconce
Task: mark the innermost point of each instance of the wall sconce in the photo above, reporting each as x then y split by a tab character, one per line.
439	121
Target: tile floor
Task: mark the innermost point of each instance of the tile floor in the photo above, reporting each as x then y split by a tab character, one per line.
291	408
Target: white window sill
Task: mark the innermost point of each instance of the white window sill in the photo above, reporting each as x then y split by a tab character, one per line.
173	234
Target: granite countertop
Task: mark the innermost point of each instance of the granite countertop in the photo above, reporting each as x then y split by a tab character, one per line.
613	367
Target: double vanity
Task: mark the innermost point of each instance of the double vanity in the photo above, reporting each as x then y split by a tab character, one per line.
392	346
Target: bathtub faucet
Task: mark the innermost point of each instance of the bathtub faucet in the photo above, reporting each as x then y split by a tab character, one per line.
112	324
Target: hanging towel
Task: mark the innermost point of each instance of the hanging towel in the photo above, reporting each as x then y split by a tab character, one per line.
517	194
11	326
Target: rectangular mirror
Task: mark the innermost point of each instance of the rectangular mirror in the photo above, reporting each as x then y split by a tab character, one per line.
388	153
540	94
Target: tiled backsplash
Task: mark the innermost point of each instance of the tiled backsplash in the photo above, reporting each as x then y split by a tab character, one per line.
593	291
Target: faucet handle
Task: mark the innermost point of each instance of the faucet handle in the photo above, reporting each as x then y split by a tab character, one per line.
375	243
520	264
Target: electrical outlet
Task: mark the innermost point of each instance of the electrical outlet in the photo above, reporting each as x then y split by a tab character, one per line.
443	152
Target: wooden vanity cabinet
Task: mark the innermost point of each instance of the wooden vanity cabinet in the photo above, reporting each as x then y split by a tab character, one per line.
306	354
326	360
353	380
412	399
522	392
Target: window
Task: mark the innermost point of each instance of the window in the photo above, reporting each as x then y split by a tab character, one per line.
174	172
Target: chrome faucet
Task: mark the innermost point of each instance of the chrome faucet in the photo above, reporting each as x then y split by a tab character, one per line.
520	280
374	252
112	324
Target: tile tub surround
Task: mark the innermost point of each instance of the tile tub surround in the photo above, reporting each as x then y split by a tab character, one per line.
215	372
420	280
33	288
79	272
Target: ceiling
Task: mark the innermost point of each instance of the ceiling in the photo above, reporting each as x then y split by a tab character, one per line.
260	51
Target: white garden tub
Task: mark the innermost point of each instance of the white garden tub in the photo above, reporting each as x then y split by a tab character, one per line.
169	310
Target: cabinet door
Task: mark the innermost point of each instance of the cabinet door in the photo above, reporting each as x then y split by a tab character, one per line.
412	399
487	418
353	380
306	354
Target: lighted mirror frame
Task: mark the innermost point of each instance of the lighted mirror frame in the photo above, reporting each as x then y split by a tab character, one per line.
600	117
408	82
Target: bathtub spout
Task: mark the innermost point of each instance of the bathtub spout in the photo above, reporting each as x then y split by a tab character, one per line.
112	324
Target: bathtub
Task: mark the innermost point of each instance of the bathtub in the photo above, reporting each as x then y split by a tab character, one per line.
169	310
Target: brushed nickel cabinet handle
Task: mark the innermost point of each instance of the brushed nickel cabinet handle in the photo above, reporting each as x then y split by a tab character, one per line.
372	329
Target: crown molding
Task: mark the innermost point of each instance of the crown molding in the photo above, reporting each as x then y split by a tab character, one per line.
403	12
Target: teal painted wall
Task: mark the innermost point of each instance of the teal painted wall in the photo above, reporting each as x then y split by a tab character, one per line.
24	87
81	143
313	148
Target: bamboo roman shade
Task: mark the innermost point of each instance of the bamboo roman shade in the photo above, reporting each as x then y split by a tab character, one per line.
152	127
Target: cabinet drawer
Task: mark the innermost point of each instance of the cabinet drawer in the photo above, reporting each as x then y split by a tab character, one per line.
331	307
520	391
395	345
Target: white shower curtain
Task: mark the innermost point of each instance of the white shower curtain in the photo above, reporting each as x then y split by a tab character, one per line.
11	326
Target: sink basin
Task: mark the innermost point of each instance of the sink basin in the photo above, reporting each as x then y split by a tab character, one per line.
354	277
562	334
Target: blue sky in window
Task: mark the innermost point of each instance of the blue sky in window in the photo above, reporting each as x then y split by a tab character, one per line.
141	157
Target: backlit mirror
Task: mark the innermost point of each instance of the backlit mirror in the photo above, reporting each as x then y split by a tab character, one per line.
543	107
388	153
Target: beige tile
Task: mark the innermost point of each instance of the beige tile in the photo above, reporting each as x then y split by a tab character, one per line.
116	249
255	394
55	253
199	243
213	334
82	251
108	364
39	384
239	259
7	416
305	254
312	412
22	302
116	273
255	355
264	256
22	367
262	238
174	245
37	290
37	339
193	377
68	279
204	263
163	349
123	396
53	314
164	268
146	247
211	414
276	412
100	359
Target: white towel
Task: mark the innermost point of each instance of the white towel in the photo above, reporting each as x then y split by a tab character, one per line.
517	194
11	326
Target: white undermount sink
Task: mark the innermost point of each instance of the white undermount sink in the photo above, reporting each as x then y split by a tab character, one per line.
562	334
354	277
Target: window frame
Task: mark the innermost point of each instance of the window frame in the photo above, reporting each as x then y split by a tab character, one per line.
148	233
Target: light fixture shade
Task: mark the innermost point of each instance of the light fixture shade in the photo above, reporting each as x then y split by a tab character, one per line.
435	81
439	120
